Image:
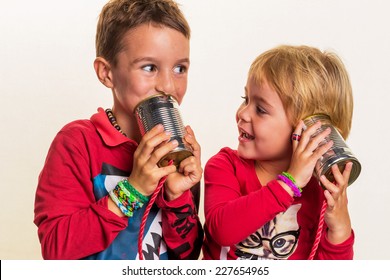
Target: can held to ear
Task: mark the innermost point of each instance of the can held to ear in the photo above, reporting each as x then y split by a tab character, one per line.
338	154
164	109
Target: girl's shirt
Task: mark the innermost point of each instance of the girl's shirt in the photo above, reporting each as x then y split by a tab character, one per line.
246	219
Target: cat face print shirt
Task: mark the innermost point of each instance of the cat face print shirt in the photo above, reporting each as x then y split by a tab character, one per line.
247	220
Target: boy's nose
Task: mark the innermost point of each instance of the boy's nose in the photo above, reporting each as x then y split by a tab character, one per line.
165	83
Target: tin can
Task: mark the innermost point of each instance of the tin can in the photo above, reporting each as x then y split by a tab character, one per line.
338	154
164	109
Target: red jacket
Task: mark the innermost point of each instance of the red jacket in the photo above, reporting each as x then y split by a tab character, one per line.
248	220
85	161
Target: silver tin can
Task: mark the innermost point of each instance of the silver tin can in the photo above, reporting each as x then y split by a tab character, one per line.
164	109
338	154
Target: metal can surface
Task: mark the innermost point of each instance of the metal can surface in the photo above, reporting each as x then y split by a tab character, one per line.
338	154
164	109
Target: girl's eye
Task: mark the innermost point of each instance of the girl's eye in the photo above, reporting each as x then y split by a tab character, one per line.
260	110
149	68
180	69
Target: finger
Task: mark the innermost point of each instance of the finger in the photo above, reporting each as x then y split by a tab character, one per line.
339	179
321	150
297	134
188	165
191	140
318	140
166	170
153	132
308	133
148	144
329	200
329	186
161	151
347	171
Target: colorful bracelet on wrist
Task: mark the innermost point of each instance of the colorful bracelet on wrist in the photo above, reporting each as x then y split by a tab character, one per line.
127	198
290	181
124	184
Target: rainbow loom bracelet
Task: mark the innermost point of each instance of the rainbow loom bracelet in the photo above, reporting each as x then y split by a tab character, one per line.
128	199
289	180
124	184
124	209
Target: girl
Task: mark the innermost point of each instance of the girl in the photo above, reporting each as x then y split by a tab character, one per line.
261	200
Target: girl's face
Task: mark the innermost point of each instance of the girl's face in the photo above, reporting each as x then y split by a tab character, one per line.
263	125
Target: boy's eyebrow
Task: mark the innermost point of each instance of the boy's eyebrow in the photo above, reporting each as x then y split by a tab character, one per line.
146	58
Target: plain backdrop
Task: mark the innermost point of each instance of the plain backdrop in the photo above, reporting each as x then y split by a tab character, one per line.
47	80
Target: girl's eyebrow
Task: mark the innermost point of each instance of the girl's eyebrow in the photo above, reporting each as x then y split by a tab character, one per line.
263	101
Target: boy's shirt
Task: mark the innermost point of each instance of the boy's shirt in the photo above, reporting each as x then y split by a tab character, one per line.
85	161
281	227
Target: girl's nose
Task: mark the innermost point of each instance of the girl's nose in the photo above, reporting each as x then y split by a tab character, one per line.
242	113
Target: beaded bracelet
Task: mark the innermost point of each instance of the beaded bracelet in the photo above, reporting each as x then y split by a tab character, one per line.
127	198
290	181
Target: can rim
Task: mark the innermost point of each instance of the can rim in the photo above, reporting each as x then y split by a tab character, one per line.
316	115
153	96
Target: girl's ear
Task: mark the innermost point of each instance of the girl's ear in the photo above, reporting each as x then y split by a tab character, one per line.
103	71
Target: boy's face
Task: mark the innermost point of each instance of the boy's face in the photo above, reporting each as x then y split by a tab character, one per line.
155	59
263	125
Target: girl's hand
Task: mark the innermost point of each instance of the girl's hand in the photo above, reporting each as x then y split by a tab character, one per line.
307	151
146	174
336	215
189	173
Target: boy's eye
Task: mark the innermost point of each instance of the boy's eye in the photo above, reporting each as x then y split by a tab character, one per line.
180	69
149	68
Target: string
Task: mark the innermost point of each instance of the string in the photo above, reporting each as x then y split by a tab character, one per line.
319	231
146	214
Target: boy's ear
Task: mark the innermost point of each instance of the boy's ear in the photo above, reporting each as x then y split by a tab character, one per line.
103	71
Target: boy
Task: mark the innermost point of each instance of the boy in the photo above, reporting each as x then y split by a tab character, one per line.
142	49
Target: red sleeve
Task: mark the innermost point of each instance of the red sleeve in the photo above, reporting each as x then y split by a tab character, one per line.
182	231
71	224
231	213
329	251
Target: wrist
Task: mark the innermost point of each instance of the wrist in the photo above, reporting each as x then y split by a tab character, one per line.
337	236
290	182
169	195
112	206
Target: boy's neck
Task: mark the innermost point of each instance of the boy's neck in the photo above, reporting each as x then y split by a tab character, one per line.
128	124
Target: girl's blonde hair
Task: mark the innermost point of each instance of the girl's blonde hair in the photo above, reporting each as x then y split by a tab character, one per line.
308	82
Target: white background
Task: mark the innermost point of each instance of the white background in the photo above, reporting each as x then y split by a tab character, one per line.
47	80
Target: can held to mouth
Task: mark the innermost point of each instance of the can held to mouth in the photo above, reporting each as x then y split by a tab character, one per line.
164	109
338	154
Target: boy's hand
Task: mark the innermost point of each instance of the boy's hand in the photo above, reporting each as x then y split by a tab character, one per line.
146	174
336	216
189	173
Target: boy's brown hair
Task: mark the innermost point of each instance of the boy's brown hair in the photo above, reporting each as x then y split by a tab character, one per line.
119	16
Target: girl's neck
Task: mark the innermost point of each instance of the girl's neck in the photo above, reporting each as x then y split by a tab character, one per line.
268	170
